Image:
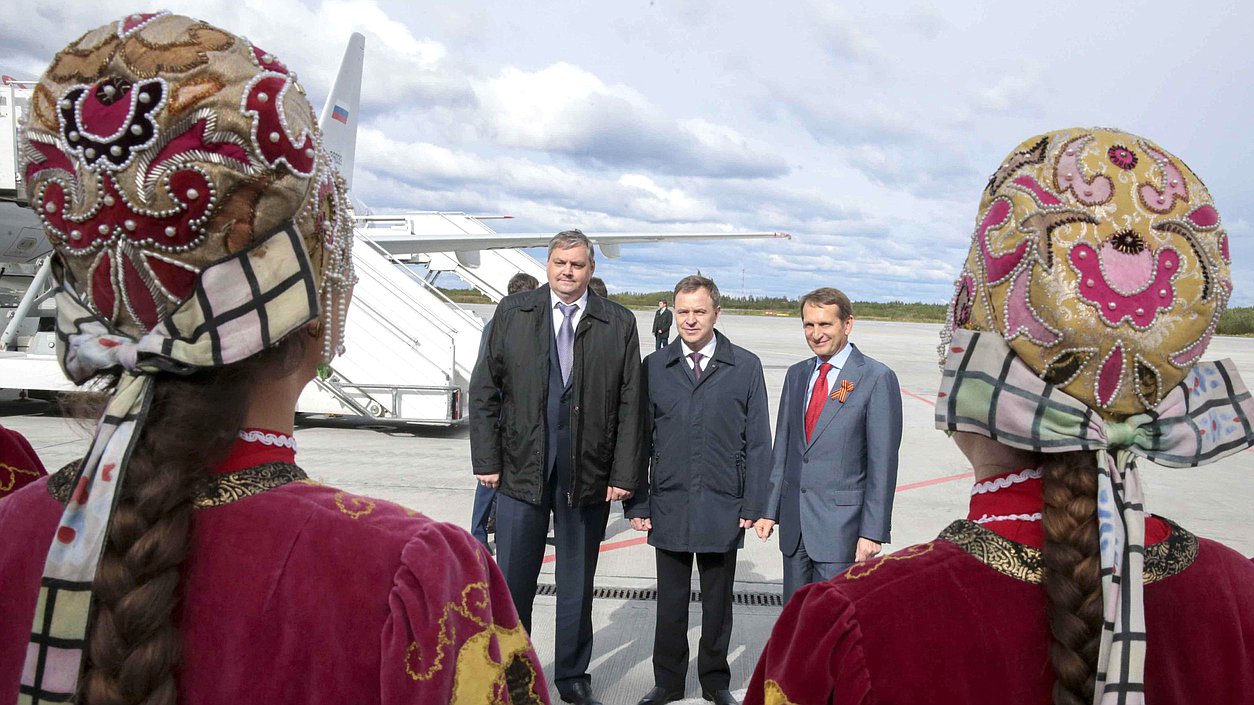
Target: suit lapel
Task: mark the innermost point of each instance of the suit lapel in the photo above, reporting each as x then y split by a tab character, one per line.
852	371
798	410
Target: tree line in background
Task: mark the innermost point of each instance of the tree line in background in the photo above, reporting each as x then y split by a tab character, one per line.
1234	321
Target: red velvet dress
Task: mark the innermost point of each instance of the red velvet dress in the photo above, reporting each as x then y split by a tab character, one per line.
299	593
19	466
962	620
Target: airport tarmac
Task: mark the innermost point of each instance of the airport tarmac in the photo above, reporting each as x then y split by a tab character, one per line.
429	470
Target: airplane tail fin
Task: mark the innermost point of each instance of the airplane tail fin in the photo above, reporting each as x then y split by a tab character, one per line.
339	115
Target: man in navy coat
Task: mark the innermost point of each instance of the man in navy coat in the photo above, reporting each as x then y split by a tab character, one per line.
837	437
710	436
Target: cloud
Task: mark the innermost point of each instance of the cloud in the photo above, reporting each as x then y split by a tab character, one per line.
934	171
427	168
925	19
1011	95
842	36
660	204
565	109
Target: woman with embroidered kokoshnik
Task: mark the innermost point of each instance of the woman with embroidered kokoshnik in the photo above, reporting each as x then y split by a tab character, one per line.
1096	275
202	251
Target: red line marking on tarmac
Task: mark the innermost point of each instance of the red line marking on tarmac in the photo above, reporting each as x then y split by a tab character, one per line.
935	481
925	400
607	547
628	543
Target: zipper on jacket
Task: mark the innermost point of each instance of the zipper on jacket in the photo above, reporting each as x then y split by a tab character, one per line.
574	470
574	417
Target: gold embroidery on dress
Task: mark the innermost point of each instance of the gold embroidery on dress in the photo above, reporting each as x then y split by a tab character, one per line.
1162	560
12	476
510	678
1166	558
860	570
361	506
1001	554
59	482
219	490
772	694
213	491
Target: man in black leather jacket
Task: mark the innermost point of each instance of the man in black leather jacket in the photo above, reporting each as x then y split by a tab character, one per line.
556	423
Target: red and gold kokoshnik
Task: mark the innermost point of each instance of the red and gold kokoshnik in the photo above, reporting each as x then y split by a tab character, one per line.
158	145
196	221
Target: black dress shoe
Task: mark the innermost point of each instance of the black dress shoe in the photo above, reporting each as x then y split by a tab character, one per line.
580	693
720	697
660	695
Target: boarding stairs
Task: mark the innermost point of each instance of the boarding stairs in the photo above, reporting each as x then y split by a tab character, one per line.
410	350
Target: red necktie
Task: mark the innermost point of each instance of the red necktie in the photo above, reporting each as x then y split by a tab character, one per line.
817	397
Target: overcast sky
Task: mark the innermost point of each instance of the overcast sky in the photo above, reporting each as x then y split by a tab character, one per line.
866	130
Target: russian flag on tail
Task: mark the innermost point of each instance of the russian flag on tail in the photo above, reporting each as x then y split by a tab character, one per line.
340	113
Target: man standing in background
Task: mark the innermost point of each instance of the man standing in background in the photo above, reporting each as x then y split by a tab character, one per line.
483	513
661	326
556	423
710	432
837	437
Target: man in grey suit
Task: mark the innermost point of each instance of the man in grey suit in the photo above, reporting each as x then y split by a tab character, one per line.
710	432
835	459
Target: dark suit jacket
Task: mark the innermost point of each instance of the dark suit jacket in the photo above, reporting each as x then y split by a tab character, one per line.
840	484
710	443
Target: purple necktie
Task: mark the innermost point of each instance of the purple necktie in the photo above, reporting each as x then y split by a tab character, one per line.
566	340
696	364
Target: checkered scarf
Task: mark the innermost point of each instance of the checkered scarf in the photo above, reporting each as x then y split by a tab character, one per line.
241	306
987	389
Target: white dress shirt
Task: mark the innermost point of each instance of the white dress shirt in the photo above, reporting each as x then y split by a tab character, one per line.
707	352
558	316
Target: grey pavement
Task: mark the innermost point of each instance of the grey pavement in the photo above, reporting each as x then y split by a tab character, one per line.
429	470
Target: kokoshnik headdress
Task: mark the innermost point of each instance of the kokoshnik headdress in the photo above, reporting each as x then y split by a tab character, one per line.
1096	277
196	221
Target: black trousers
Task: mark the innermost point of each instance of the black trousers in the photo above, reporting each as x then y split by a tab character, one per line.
521	531
717	572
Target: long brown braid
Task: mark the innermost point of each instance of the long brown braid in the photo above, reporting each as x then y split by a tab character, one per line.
135	647
1073	585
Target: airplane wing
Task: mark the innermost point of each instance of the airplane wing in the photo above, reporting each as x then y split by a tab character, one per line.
414	233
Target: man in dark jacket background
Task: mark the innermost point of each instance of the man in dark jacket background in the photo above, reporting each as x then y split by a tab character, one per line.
556	424
711	438
662	320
